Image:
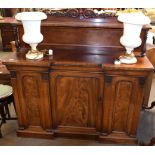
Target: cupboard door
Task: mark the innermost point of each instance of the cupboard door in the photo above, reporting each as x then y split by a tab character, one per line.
123	96
77	102
33	102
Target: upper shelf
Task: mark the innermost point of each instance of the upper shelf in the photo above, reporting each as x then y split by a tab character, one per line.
64	32
108	22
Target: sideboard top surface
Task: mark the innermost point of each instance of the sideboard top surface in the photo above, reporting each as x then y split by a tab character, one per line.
71	58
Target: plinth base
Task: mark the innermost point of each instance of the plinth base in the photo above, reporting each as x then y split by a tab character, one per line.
35	133
117	138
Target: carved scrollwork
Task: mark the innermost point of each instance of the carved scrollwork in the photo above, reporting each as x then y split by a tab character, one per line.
53	12
73	13
56	13
79	13
89	13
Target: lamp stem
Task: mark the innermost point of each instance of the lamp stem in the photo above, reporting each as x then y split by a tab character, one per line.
33	47
128	50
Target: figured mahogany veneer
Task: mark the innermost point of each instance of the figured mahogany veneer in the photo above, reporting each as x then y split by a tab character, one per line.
79	95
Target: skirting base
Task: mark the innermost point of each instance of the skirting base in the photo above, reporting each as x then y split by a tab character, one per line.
114	139
34	134
106	139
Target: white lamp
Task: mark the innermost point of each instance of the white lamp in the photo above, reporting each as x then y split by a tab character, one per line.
133	23
32	35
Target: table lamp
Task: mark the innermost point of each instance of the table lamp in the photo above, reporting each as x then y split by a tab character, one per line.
31	23
132	23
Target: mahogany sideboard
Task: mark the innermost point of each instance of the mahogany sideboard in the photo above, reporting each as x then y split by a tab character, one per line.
79	95
79	92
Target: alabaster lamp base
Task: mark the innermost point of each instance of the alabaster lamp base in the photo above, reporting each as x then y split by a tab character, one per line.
128	59
34	54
